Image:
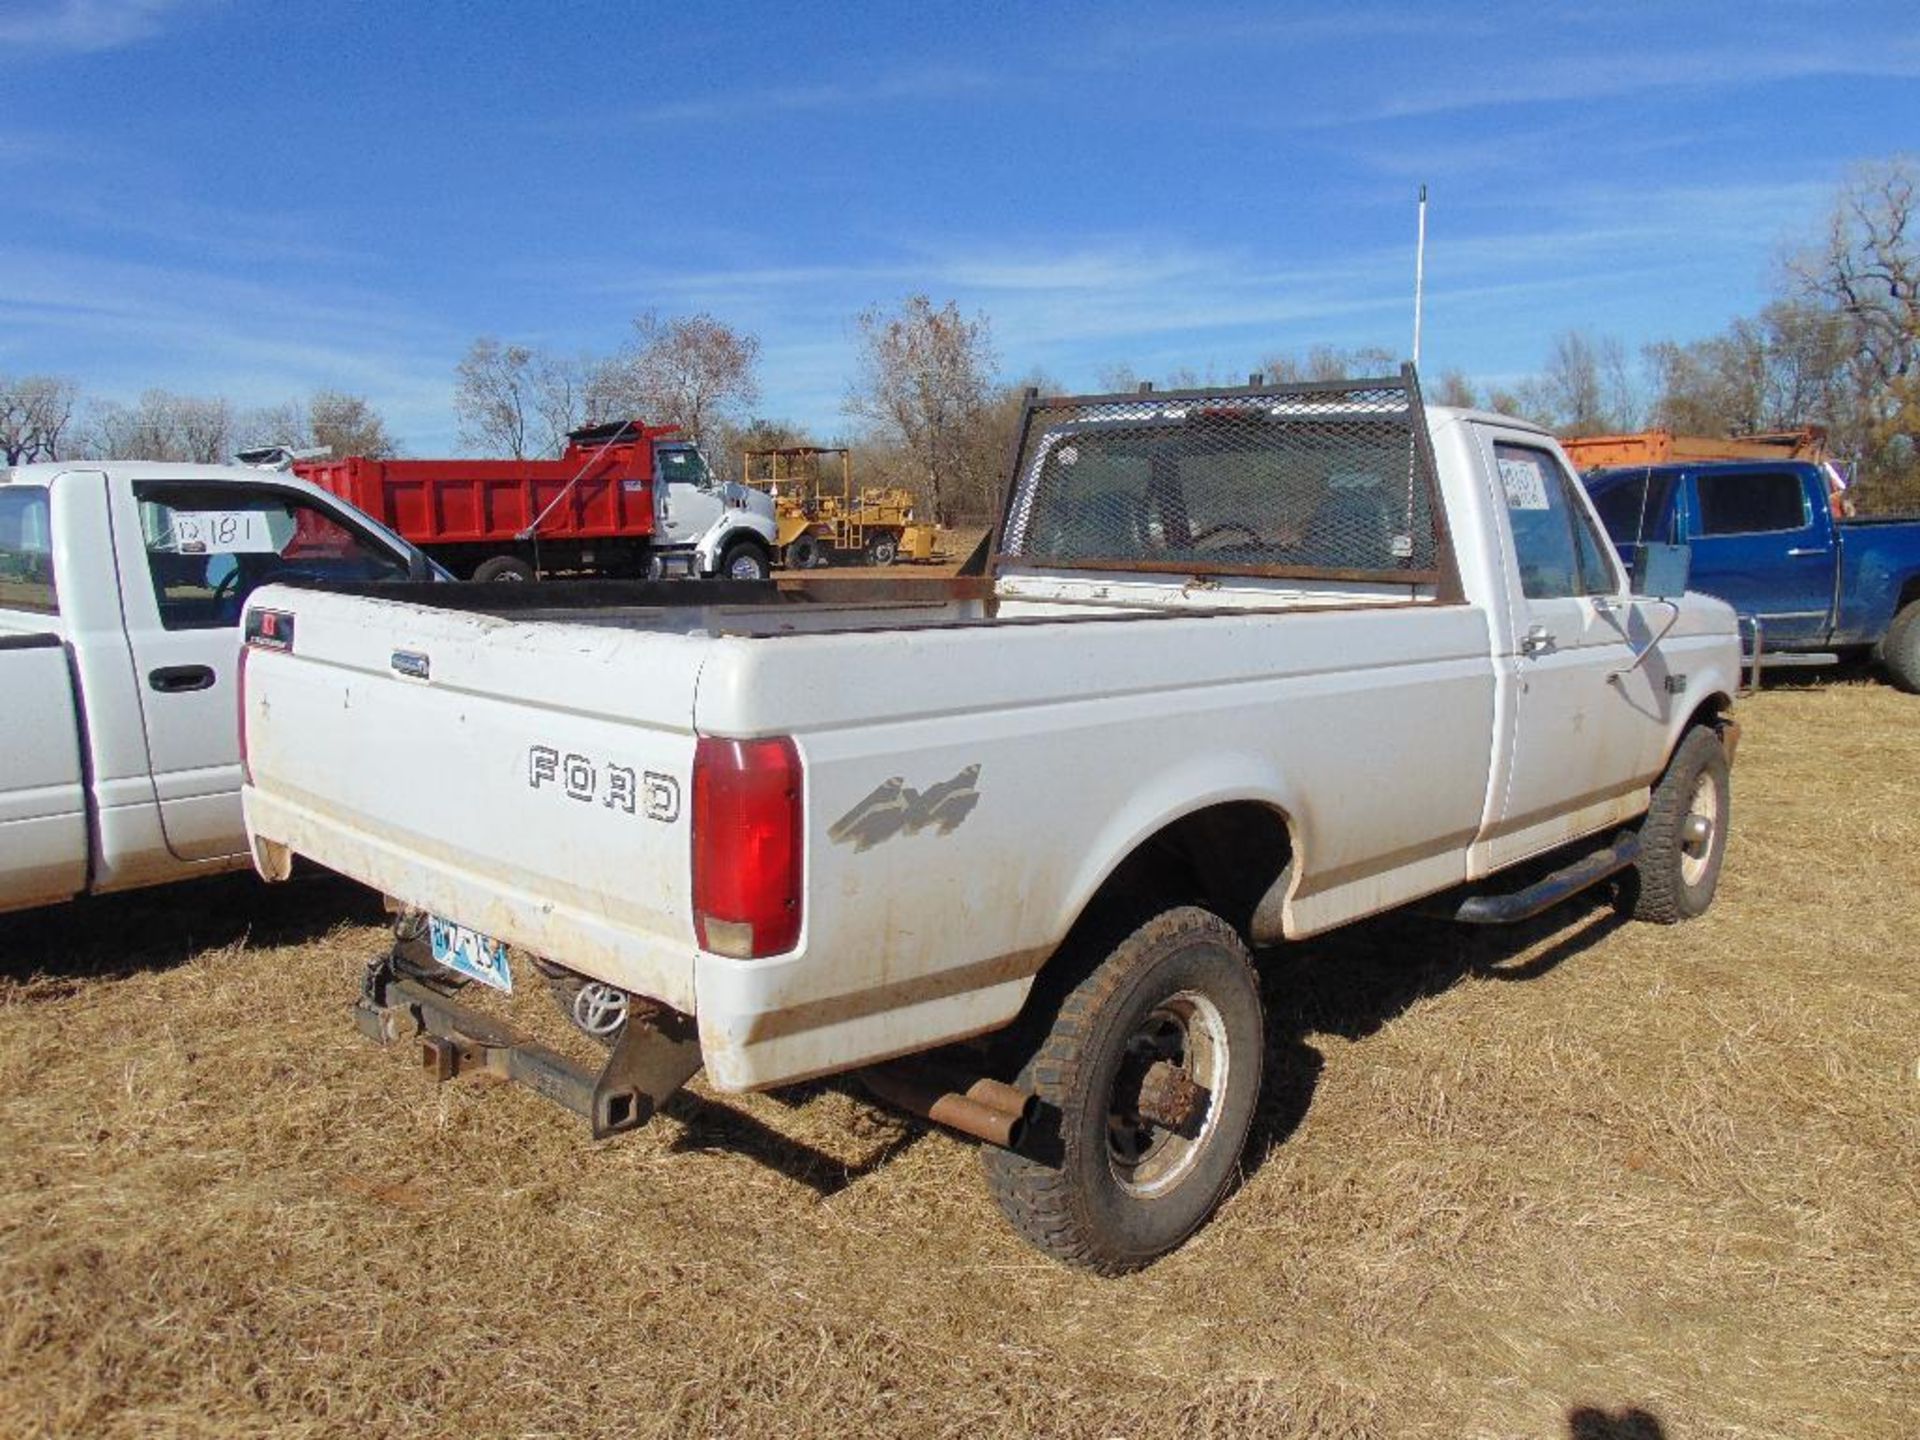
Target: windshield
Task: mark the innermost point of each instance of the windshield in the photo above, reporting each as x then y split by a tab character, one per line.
26	551
1317	485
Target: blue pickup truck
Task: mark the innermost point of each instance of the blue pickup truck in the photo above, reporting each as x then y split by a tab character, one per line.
1809	587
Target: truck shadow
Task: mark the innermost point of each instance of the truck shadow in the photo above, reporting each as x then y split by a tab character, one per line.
1351	983
1585	1422
113	936
708	1124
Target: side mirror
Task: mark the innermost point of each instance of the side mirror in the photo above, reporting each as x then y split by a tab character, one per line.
1660	571
419	567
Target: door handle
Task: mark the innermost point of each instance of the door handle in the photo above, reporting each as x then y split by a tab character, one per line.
1536	641
1799	550
178	679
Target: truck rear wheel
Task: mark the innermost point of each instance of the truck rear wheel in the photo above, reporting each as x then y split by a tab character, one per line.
883	549
805	553
504	567
1151	1066
1900	650
1683	838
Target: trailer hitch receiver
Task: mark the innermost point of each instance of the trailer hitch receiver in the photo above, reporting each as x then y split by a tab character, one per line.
656	1052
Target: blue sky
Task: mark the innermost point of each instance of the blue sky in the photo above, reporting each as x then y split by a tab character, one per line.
257	199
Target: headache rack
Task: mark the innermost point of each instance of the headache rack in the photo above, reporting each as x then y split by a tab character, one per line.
1320	480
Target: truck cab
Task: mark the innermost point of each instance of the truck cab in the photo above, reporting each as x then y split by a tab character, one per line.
1809	585
121	590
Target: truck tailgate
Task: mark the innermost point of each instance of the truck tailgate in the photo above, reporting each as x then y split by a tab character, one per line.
528	780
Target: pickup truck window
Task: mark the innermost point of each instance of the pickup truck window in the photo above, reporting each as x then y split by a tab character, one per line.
1553	540
1750	502
26	551
1263	485
209	547
1637	509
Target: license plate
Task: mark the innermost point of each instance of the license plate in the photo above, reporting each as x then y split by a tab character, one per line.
480	957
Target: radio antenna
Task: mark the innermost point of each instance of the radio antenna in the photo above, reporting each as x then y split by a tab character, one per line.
1419	274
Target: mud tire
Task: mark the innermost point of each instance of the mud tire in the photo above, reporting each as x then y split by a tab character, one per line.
1900	649
1065	1192
1672	881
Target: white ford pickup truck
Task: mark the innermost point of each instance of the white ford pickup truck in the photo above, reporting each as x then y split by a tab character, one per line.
1244	665
121	588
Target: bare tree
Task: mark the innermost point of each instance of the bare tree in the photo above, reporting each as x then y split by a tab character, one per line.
36	412
1867	271
1332	362
493	398
1586	388
349	425
689	371
194	429
1454	388
924	383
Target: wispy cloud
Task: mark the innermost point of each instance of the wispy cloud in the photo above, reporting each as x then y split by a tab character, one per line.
83	25
1584	78
908	84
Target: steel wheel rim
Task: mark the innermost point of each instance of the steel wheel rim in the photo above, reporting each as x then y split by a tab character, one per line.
744	567
1697	854
1187	1029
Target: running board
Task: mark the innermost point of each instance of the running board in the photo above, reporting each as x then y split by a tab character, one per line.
1549	890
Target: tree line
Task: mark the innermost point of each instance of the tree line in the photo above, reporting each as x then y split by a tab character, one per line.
1837	344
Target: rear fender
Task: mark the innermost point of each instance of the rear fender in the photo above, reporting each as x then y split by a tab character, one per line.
1201	782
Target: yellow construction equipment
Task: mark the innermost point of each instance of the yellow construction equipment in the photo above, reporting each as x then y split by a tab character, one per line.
818	523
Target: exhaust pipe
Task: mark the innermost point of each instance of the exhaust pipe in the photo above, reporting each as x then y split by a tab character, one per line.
988	1110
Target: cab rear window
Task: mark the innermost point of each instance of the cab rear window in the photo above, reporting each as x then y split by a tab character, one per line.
26	551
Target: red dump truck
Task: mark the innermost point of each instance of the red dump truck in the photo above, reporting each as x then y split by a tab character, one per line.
623	499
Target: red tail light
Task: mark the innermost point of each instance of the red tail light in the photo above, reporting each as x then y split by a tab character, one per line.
748	849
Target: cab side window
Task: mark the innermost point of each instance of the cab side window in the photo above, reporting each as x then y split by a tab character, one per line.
209	547
1749	503
1554	541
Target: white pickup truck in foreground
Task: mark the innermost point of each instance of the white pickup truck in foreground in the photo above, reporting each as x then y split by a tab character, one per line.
1249	664
121	588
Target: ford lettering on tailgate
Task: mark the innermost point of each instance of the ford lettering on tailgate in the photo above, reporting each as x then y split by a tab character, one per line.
617	787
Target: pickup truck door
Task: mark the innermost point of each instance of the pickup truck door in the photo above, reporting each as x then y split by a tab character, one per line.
1761	545
1583	729
43	808
690	499
190	554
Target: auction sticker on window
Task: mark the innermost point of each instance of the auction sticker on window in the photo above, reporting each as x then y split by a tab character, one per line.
1526	487
222	532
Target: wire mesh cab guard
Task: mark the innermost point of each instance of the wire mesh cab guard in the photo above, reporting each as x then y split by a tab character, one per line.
1327	480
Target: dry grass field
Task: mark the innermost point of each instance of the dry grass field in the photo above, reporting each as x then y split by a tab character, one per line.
1590	1181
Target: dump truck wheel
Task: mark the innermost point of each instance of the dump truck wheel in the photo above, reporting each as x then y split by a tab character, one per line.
745	560
805	553
1900	650
1683	839
504	567
1147	1071
883	549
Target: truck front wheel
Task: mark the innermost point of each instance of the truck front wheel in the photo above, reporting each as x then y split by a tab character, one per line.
1147	1071
1683	838
1900	650
745	560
